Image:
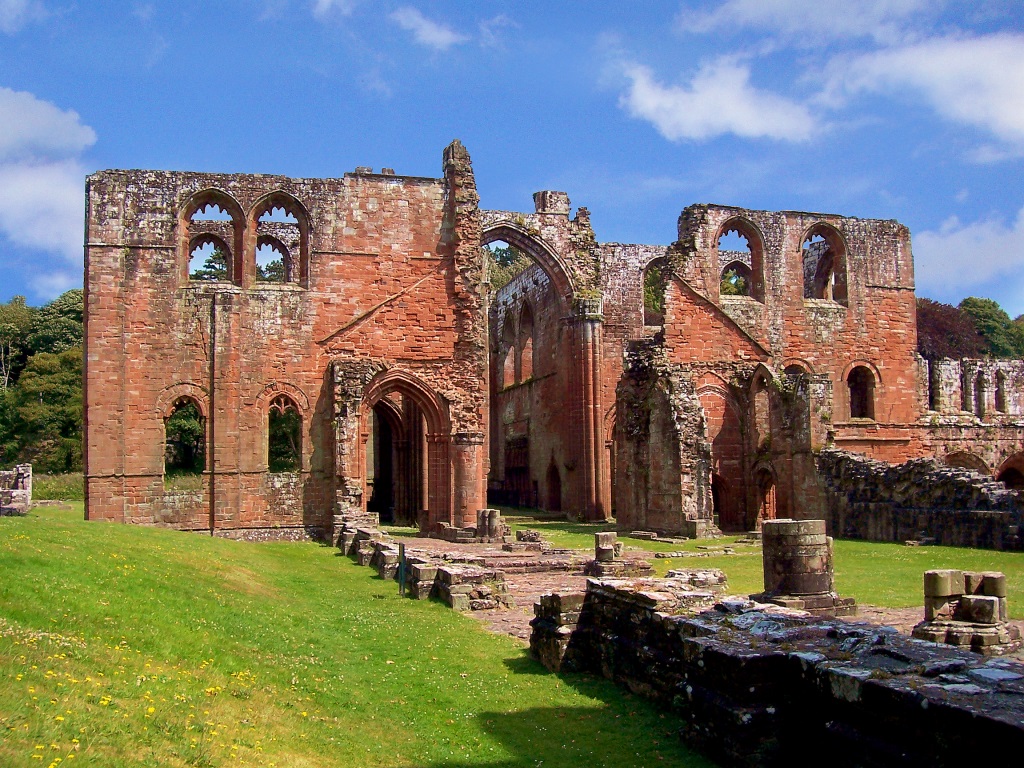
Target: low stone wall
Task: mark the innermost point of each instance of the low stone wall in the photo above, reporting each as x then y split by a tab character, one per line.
16	490
873	500
756	685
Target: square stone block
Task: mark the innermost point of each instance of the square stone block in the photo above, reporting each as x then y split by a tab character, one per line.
979	609
945	583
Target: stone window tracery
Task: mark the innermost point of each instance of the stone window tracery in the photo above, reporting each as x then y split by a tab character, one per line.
823	257
284	435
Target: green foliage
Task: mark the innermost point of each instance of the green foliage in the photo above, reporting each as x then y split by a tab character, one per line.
215	268
946	331
1001	336
15	323
68	487
285	440
505	262
734	284
185	440
272	272
132	646
655	282
58	326
43	416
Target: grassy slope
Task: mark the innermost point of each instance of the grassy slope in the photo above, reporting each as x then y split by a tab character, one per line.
876	574
128	646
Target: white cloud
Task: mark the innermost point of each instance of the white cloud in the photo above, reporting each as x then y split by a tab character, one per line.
959	258
15	14
811	21
42	182
490	29
425	31
324	9
32	127
719	100
974	81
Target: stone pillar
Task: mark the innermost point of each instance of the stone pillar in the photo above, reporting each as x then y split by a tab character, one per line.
467	473
587	418
798	568
797	557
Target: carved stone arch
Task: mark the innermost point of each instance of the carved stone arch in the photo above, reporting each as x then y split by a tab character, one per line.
275	388
967	460
755	241
765	482
863	383
437	436
170	396
299	268
790	363
187	230
836	263
542	254
1011	472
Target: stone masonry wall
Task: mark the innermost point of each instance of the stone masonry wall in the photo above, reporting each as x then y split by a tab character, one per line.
756	686
873	500
389	277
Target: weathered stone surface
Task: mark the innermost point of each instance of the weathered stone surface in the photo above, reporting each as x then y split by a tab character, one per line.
16	490
761	685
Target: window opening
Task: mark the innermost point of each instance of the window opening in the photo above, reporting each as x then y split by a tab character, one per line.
734	253
272	262
208	260
1001	392
526	344
184	445
284	436
656	278
504	263
980	391
861	383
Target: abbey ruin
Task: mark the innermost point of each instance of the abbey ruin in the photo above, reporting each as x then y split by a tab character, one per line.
775	380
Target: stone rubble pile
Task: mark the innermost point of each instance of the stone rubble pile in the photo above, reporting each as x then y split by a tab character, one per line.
608	559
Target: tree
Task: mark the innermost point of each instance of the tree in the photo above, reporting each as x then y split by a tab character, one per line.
185	440
506	262
57	326
273	272
1001	337
214	268
44	419
15	322
946	331
733	283
655	282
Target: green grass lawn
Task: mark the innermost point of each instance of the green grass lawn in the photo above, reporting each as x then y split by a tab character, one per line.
123	646
888	575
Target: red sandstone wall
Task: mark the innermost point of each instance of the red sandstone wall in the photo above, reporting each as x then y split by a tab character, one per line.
379	286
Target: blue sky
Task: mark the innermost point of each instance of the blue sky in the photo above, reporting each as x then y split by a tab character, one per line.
904	109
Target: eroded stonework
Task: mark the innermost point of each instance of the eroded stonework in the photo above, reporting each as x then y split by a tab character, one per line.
421	391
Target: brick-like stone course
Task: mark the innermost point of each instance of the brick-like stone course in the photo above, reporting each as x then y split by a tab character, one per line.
952	506
757	685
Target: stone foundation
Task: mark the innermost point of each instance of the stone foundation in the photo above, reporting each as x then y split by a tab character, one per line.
757	685
16	490
968	609
920	499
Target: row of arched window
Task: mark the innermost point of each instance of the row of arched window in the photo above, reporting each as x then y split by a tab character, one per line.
221	243
974	393
515	352
185	438
740	247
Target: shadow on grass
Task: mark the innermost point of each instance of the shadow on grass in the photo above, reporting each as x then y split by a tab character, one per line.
618	730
